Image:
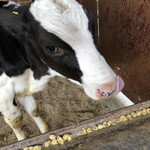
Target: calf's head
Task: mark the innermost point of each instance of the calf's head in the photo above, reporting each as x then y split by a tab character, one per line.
67	46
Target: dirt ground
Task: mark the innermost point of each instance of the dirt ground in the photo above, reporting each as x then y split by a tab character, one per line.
61	104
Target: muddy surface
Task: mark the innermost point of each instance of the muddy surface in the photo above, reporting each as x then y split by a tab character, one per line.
61	104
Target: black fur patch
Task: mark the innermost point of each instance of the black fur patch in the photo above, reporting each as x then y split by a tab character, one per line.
65	64
15	48
23	44
91	20
12	53
20	9
3	3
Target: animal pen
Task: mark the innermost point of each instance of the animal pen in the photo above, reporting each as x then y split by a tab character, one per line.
122	31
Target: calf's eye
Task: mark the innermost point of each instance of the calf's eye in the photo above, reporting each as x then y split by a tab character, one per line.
52	49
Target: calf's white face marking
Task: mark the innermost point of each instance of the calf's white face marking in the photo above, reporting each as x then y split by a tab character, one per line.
67	20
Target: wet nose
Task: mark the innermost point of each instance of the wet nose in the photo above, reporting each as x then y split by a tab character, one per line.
105	91
111	88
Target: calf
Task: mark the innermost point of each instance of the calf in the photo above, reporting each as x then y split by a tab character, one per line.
49	38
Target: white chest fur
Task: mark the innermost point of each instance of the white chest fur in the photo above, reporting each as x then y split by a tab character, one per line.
25	84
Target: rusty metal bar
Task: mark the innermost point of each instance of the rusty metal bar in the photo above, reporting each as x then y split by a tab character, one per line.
77	128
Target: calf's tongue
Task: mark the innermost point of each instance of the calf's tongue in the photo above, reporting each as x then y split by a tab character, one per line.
119	85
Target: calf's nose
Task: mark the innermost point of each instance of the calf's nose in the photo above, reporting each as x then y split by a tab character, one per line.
110	89
105	90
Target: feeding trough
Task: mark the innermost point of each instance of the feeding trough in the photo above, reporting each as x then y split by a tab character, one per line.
122	34
134	116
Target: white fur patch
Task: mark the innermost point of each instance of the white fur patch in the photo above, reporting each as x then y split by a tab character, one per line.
67	20
61	17
10	112
30	106
28	83
24	83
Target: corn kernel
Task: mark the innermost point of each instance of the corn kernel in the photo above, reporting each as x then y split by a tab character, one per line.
31	148
69	138
144	112
105	124
148	110
84	131
100	126
60	140
138	113
109	123
89	130
26	148
52	137
37	148
95	128
123	118
133	114
54	142
129	117
66	136
80	133
47	143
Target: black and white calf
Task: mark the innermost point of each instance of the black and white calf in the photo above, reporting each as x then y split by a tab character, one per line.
49	38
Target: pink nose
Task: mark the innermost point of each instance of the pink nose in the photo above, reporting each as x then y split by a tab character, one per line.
105	90
110	89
